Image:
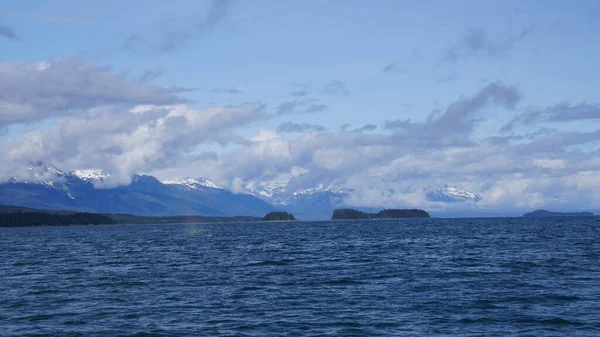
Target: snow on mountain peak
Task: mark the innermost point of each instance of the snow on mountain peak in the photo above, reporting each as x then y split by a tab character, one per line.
40	169
320	188
38	172
449	193
90	175
193	183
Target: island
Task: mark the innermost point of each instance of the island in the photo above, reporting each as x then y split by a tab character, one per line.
353	214
279	216
541	213
13	216
16	217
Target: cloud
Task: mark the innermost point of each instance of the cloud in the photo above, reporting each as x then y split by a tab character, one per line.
8	33
132	43
398	124
290	127
478	42
300	107
32	92
125	142
301	91
454	125
150	75
169	39
364	128
563	112
393	167
226	91
392	68
331	88
405	62
368	127
335	88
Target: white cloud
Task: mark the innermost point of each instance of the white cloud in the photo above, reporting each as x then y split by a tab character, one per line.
554	164
33	91
126	127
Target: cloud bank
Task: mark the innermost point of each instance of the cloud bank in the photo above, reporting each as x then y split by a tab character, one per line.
97	118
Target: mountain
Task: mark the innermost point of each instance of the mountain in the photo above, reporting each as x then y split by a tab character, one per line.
448	193
544	213
306	204
50	188
316	202
274	194
47	187
193	183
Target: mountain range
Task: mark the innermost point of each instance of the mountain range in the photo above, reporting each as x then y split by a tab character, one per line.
81	190
145	195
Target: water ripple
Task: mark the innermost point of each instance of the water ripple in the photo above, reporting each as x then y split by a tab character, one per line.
465	277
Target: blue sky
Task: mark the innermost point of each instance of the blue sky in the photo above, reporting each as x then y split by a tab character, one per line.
500	98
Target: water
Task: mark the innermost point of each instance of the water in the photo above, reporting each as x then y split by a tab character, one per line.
475	277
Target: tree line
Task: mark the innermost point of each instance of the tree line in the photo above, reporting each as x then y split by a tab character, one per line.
17	219
352	214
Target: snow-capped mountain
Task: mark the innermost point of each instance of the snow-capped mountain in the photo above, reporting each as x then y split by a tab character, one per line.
280	194
274	194
193	183
448	193
309	203
321	189
41	173
47	187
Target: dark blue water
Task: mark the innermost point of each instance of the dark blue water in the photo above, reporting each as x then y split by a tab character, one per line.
476	277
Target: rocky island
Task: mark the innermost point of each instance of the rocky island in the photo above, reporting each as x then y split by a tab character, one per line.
540	213
352	214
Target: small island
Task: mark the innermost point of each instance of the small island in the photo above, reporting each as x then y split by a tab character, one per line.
279	216
542	213
353	214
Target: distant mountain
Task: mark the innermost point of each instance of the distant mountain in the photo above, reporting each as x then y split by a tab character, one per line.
306	204
47	187
544	213
194	184
51	188
452	194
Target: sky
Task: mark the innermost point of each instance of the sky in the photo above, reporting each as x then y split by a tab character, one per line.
390	98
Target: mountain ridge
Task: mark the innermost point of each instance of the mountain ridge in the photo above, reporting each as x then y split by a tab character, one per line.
50	188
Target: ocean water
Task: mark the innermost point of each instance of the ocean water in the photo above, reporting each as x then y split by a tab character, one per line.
437	277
